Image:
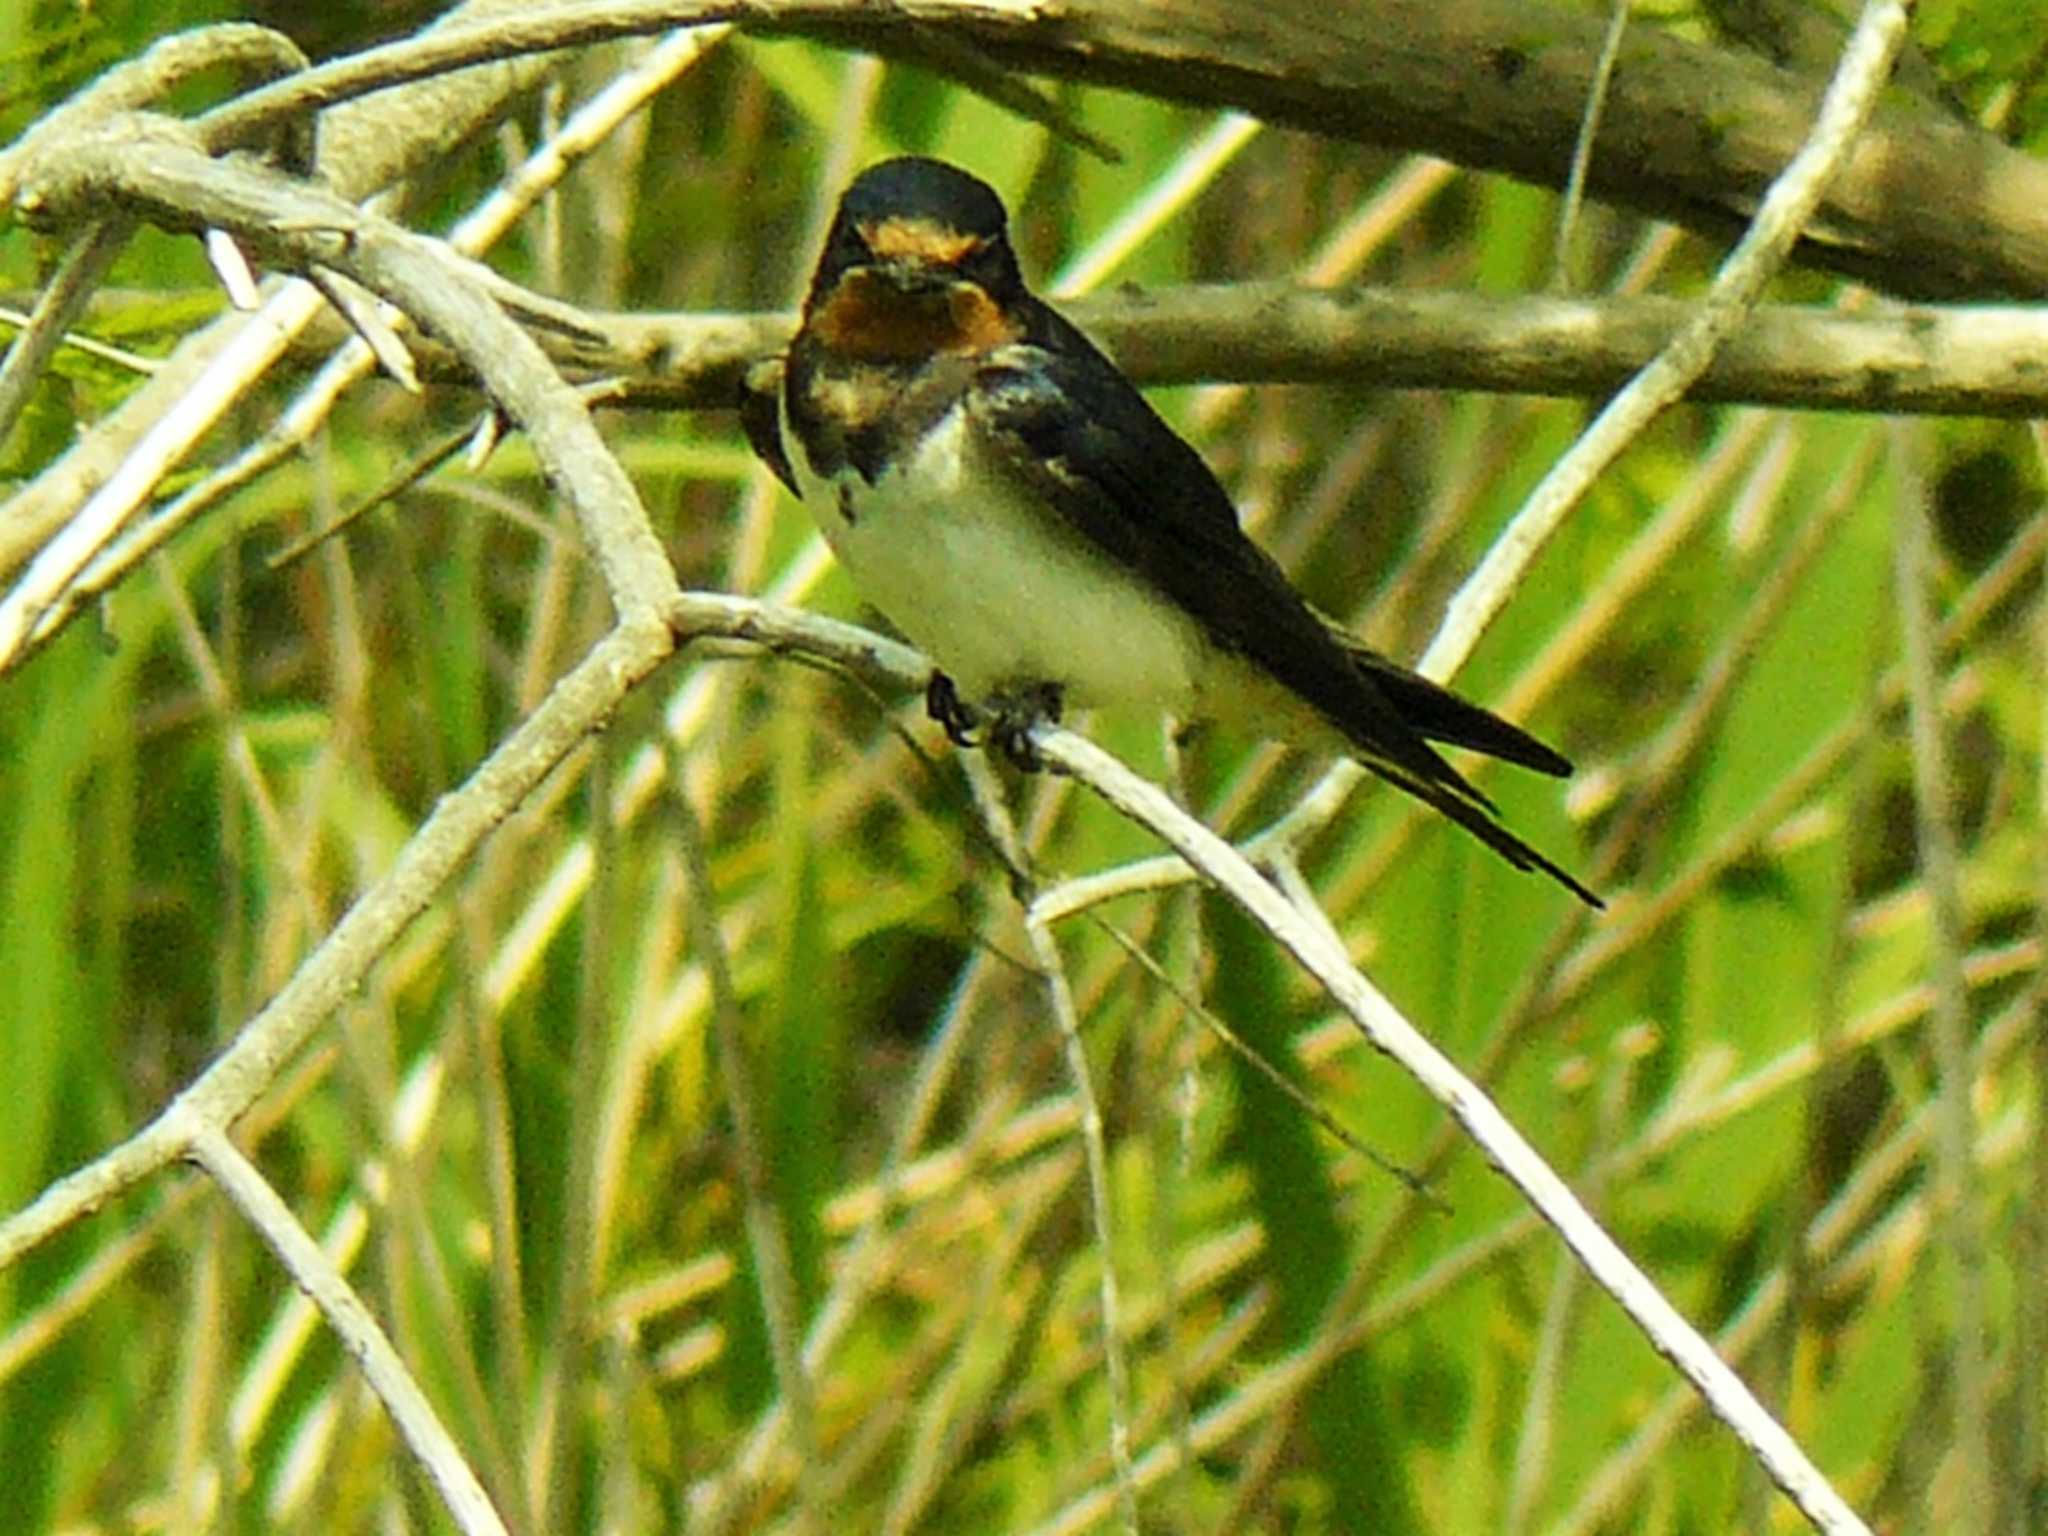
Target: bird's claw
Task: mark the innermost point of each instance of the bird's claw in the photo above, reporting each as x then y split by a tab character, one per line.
1009	721
1016	713
1011	736
953	714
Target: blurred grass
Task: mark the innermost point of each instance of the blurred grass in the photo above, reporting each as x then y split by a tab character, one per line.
517	1124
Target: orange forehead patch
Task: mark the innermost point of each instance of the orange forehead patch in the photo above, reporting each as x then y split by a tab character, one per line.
872	320
919	240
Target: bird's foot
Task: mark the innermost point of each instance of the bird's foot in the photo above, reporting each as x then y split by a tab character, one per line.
1016	712
953	714
1009	718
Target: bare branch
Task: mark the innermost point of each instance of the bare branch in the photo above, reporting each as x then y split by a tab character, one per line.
1791	203
1060	995
580	702
1982	360
1690	133
363	146
1668	1332
352	1323
61	301
145	164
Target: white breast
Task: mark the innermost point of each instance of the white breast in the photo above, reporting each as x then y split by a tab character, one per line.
994	588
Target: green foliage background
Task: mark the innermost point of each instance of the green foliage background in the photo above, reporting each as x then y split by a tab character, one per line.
517	1132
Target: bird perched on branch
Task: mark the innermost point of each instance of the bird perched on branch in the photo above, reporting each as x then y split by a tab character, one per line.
1004	496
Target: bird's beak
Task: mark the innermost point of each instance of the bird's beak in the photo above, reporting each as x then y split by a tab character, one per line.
915	279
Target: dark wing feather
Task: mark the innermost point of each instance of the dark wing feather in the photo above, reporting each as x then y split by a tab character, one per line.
1122	478
1434	712
1475	819
761	418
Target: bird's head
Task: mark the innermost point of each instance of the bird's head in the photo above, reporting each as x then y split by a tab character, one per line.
918	264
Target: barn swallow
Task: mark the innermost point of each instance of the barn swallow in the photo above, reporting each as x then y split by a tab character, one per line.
1005	497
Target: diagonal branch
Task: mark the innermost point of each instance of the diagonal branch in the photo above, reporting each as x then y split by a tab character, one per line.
148	165
1793	198
352	1323
363	146
1667	1331
579	704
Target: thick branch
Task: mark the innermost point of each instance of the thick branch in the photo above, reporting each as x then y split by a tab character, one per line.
1928	208
147	164
1973	361
363	146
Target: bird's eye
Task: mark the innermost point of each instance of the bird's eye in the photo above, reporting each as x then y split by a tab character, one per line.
990	265
847	246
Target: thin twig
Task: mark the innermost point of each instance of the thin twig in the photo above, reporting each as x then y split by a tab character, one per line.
1562	278
1962	1217
1668	1332
1790	203
780	1308
56	307
353	1325
1061	996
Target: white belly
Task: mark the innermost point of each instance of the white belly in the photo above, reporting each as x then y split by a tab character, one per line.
996	590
